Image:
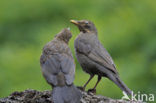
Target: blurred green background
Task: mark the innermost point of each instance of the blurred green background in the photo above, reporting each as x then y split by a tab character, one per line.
127	29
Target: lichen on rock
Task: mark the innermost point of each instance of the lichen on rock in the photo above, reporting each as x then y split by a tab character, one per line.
34	96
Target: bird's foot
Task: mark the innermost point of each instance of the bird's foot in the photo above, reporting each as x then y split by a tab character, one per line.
81	88
92	91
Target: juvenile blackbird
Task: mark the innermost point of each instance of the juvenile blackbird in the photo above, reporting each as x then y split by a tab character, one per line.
58	68
93	57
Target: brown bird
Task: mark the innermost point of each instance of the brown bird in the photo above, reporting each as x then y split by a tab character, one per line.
93	57
58	68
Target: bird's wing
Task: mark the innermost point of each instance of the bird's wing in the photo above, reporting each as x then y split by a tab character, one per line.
103	57
96	53
68	68
50	68
105	54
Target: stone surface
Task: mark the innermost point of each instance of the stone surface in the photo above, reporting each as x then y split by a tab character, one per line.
34	96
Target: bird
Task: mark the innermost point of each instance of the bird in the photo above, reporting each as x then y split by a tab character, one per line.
93	57
58	68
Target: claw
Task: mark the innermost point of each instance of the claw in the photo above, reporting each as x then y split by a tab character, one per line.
81	88
92	91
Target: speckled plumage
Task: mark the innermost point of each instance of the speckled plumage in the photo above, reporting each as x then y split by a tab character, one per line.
58	68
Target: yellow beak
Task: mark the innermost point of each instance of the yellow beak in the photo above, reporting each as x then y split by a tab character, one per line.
74	22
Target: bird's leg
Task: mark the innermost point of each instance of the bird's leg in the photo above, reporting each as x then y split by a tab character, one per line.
83	88
99	78
91	76
94	89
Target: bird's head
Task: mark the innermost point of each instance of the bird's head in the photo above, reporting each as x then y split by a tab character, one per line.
84	26
64	35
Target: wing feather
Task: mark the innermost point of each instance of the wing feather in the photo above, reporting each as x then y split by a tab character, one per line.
50	68
68	68
97	53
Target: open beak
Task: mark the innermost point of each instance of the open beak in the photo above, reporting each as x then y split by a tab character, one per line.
74	22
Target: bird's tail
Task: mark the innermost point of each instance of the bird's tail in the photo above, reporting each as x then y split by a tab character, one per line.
120	84
66	94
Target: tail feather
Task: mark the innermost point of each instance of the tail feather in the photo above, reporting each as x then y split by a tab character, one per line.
123	86
120	84
66	94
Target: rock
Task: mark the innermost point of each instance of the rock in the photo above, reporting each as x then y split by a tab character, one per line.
34	96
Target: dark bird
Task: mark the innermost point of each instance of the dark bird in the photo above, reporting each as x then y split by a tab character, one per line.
93	57
58	68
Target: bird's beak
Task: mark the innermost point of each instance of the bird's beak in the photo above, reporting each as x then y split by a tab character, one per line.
74	22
